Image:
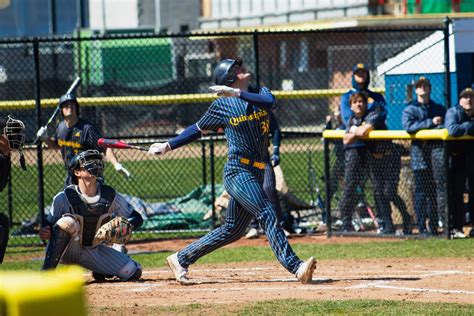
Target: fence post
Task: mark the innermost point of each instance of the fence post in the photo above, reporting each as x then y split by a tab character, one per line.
10	198
213	181
327	188
447	65
257	60
39	148
203	162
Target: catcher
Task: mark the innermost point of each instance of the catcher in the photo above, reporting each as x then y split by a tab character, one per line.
85	217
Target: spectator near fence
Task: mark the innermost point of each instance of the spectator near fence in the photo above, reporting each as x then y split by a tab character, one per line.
360	83
460	122
427	157
361	156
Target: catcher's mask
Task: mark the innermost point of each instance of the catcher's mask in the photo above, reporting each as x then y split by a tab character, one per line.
91	160
15	132
224	74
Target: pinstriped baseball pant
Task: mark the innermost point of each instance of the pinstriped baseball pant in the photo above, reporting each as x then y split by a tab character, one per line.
248	200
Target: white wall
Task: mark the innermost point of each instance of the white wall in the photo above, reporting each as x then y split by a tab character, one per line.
119	14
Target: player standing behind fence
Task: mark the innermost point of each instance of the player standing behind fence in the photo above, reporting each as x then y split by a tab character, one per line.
269	182
74	135
11	138
427	158
244	117
360	157
460	122
86	215
360	83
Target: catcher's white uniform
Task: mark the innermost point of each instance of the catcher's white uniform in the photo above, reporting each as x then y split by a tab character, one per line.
100	258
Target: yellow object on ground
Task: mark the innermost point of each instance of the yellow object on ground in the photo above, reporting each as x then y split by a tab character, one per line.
55	292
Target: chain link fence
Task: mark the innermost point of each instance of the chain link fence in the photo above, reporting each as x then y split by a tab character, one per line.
146	88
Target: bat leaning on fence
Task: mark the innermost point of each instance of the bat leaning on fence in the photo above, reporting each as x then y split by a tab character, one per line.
114	143
72	89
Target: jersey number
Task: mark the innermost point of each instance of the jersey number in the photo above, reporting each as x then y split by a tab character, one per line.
265	125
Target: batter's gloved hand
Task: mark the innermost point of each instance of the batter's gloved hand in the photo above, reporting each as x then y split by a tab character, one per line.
117	231
119	168
159	148
225	91
43	133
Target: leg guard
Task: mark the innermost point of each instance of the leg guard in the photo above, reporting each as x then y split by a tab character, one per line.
56	248
132	271
4	234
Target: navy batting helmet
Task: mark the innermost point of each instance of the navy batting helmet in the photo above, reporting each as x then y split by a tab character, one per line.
91	160
223	74
69	97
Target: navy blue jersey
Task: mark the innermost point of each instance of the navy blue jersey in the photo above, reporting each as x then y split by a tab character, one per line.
75	139
246	126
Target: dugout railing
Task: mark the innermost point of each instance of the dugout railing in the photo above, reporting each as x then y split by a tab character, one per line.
420	198
147	87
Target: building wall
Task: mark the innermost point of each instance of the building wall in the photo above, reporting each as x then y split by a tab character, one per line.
176	16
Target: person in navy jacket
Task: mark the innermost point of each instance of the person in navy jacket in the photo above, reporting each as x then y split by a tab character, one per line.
360	157
427	158
460	122
360	83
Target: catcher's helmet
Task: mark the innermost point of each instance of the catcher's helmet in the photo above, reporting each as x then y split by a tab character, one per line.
15	132
223	74
69	97
91	160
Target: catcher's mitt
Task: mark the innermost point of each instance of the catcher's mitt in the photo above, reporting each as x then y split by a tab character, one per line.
118	231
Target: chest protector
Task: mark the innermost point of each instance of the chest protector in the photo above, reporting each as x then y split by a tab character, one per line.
91	216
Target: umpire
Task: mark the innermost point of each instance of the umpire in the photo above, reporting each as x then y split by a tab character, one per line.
13	137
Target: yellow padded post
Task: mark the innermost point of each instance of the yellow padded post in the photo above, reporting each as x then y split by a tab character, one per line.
55	292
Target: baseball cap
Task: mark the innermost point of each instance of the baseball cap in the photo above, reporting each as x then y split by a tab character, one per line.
421	81
360	68
466	92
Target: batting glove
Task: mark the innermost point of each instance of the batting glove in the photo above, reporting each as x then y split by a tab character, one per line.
225	91
159	148
42	133
119	168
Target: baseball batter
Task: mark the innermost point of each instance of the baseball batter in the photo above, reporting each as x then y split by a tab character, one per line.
75	134
84	217
245	119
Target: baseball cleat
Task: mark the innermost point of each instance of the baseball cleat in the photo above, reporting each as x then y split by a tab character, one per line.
180	273
305	271
252	233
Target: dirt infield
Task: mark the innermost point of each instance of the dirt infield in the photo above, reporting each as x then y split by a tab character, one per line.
422	280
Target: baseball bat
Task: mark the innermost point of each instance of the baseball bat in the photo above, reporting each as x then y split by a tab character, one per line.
114	143
71	89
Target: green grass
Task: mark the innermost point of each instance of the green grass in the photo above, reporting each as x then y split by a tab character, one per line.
435	248
300	307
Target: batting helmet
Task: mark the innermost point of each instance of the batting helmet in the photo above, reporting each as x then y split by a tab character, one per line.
223	74
69	97
15	132
91	160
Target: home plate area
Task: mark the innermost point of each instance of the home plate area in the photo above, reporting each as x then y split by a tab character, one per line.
423	280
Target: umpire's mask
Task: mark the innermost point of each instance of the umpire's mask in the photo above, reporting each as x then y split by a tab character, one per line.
15	132
91	160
